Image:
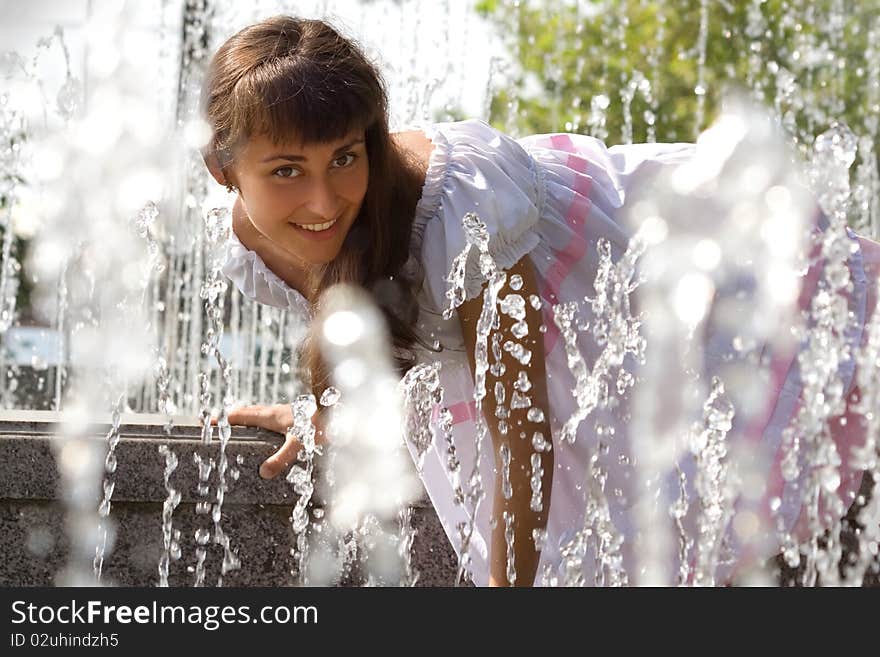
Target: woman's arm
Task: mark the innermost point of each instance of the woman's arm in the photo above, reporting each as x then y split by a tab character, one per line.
520	429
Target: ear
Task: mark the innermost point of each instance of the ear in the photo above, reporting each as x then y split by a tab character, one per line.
213	164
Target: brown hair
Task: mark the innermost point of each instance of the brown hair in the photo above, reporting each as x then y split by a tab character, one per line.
285	77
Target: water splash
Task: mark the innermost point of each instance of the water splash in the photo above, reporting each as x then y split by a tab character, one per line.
421	392
371	477
609	316
700	297
301	477
612	326
203	507
477	237
109	484
79	460
811	458
867	456
509	535
217	228
714	491
263	331
170	536
406	537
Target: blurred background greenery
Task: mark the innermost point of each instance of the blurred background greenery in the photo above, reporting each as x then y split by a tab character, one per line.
813	60
639	70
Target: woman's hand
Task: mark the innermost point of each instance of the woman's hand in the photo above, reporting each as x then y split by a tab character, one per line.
277	418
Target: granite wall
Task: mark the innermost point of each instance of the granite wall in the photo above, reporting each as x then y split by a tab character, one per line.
33	546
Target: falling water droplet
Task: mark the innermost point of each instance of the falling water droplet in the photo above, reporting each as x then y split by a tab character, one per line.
330	396
535	414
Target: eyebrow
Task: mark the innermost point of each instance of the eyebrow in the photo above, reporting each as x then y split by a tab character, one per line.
302	158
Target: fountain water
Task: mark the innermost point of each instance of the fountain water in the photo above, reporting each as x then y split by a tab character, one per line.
154	313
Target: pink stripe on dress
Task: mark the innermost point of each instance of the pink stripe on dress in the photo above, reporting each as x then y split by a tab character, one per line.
462	411
571	254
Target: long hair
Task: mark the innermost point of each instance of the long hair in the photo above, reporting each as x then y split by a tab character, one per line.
286	77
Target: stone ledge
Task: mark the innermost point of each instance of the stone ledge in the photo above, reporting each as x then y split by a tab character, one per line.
27	467
255	512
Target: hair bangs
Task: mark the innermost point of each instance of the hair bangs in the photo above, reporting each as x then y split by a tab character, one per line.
286	101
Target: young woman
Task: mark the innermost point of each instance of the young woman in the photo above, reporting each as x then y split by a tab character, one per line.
327	194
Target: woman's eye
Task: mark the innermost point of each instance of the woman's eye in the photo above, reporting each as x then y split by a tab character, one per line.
280	174
344	160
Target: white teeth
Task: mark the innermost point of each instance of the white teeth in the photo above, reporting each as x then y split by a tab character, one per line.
317	227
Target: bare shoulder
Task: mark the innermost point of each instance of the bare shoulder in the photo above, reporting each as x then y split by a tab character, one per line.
416	143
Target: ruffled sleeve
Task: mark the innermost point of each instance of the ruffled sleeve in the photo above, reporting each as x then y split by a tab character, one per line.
474	168
256	281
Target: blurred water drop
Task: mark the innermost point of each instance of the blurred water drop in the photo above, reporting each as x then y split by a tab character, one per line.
330	396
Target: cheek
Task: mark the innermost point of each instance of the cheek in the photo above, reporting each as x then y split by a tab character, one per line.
265	212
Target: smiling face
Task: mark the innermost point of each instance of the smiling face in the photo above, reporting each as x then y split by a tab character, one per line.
304	198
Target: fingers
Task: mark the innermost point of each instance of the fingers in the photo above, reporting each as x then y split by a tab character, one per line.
242	416
250	416
285	455
281	417
275	418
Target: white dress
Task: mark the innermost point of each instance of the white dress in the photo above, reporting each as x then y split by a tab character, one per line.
551	197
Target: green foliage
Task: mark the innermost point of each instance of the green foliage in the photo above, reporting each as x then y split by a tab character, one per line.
809	60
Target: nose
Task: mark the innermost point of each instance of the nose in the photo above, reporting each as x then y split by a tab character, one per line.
322	199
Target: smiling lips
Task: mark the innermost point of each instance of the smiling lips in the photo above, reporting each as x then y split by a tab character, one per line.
317	227
320	231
